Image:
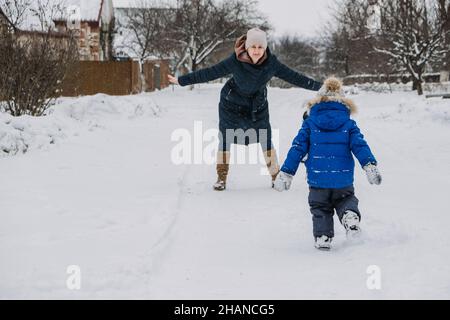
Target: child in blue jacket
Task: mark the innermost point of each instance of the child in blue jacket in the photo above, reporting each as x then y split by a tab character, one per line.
329	137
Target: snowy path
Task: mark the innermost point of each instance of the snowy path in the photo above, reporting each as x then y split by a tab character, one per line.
253	243
140	227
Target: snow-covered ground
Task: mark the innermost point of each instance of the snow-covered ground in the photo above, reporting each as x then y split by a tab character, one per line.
97	188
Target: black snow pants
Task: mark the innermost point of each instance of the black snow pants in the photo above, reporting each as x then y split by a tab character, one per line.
323	203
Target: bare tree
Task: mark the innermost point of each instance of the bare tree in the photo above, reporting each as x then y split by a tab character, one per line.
45	11
411	33
33	65
349	39
416	35
201	26
336	47
15	10
298	53
444	12
35	14
188	33
144	27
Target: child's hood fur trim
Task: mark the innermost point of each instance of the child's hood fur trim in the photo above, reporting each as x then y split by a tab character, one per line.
332	91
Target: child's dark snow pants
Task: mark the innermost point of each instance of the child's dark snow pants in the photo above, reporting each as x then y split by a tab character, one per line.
323	202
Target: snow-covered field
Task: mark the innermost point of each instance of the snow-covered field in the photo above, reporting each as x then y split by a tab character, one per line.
97	188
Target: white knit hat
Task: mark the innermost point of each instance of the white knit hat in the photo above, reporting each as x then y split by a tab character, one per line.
256	36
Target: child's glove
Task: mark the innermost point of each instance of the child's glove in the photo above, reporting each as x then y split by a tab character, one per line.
373	175
283	181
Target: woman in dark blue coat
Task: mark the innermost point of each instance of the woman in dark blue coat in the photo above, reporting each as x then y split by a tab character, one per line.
243	107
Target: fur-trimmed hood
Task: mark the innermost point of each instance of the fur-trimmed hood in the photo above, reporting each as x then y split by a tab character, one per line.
335	98
332	91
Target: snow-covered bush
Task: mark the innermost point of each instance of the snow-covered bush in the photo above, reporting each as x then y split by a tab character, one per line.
70	117
32	68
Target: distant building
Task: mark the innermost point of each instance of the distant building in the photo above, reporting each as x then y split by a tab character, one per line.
96	27
93	19
27	32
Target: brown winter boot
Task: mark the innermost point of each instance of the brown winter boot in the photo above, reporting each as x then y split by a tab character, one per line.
223	165
272	164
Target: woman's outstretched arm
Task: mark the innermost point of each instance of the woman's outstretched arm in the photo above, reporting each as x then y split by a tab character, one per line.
217	71
295	78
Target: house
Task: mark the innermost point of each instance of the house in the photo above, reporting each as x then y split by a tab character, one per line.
31	28
94	21
25	32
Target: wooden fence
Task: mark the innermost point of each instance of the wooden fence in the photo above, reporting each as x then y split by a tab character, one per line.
155	75
115	78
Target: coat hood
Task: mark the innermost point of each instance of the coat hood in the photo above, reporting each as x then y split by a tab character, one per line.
241	52
329	115
351	106
332	91
330	109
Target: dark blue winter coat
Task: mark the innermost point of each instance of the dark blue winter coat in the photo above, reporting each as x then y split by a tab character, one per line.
243	99
329	137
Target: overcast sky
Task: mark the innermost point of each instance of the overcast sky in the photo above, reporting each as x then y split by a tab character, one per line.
302	17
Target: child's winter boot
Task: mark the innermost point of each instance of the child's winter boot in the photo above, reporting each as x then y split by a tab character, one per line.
323	243
350	221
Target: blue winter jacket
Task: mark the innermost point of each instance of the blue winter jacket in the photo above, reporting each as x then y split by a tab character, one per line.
329	137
